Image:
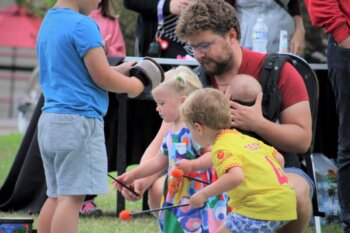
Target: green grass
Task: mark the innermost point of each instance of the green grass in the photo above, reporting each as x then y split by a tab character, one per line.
108	223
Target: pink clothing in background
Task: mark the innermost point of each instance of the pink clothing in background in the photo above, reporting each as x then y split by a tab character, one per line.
109	27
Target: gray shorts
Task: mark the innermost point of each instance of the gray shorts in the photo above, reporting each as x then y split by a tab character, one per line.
74	155
301	173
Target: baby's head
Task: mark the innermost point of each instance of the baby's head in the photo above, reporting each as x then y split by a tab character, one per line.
172	92
243	89
208	107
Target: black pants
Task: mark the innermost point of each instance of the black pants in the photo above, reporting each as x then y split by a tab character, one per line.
339	75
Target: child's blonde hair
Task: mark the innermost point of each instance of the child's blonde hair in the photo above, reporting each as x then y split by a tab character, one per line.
182	80
209	107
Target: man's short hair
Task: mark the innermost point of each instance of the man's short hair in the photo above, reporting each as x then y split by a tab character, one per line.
201	15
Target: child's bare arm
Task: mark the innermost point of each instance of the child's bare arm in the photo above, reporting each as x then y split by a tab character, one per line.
230	180
108	79
201	163
149	167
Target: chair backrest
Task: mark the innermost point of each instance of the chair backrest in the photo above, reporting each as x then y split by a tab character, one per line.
311	83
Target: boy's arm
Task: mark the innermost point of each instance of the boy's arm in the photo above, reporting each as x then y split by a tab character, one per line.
108	79
201	163
230	180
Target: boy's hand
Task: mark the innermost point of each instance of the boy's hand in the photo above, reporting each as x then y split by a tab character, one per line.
185	165
124	67
198	200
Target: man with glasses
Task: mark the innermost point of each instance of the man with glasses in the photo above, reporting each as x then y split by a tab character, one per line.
212	32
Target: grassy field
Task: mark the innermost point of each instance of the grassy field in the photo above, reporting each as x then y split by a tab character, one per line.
107	223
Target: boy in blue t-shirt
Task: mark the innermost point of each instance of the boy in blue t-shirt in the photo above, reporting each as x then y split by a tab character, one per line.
75	78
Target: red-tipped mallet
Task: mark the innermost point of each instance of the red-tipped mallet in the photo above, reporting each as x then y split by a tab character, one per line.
178	173
126	215
124	185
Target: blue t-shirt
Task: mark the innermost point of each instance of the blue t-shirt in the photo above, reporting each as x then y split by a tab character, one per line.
64	38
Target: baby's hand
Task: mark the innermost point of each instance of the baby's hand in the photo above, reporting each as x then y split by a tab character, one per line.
184	165
198	200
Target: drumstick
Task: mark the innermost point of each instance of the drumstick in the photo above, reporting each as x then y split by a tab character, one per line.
124	185
126	214
178	173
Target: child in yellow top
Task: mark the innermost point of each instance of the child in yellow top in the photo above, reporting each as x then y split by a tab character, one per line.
248	169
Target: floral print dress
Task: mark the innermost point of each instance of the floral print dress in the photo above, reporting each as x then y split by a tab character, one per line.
208	218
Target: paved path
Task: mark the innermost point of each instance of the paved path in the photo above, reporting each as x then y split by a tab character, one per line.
8	126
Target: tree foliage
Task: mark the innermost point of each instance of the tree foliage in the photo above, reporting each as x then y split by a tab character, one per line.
316	41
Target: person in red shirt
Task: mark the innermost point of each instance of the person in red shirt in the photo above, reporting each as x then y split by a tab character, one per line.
334	16
212	31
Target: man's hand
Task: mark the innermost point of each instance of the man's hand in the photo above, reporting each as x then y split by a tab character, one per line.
345	43
176	6
247	117
297	43
198	200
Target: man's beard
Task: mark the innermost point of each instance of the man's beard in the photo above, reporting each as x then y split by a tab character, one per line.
220	66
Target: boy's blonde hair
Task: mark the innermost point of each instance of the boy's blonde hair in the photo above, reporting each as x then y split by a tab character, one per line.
208	107
243	87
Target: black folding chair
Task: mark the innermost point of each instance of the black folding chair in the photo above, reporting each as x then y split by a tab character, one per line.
311	83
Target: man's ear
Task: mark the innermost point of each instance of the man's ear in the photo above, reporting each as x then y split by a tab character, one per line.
232	35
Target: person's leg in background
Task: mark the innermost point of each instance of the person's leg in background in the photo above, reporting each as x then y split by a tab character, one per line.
339	75
89	207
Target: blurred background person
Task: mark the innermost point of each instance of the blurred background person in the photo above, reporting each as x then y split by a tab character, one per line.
110	29
278	15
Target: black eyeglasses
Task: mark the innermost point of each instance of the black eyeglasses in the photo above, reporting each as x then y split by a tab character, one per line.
202	47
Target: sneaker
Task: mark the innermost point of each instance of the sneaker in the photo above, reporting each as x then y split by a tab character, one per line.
89	208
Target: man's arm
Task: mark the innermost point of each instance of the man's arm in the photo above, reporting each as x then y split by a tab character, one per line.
292	134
